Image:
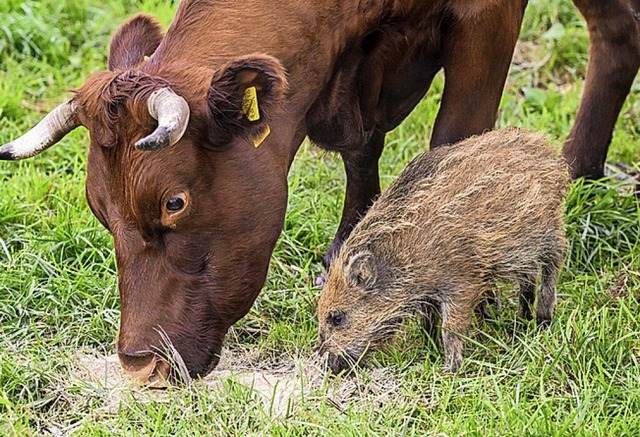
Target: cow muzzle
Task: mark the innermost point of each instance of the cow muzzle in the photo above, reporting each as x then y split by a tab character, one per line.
145	368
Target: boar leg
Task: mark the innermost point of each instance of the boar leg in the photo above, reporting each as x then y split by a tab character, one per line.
430	318
491	299
614	58
547	297
456	320
526	296
363	186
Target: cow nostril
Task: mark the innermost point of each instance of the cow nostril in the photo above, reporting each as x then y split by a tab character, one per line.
145	368
159	377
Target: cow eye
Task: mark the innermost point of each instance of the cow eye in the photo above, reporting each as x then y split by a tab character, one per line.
176	203
175	207
336	319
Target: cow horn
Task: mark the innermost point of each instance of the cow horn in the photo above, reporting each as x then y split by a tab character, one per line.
172	113
45	134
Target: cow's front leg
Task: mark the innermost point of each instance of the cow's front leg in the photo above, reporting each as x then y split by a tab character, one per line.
476	58
363	186
614	59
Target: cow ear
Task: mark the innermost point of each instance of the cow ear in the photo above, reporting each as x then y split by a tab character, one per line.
361	270
243	97
140	36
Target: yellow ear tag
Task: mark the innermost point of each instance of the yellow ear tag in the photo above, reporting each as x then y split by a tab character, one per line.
146	58
261	136
250	104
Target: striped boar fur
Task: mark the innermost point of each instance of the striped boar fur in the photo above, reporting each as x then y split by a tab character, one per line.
459	219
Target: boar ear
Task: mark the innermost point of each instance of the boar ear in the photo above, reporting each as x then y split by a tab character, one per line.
361	270
137	38
244	95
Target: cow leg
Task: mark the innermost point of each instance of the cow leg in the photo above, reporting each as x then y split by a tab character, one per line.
614	59
363	186
476	58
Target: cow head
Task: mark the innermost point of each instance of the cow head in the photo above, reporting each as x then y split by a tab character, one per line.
173	173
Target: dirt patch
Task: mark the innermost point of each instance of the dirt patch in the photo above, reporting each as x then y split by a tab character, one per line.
280	387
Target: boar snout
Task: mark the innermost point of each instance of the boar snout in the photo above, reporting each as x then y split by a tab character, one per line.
340	363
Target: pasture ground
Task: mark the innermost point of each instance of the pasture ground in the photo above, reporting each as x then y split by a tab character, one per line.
59	301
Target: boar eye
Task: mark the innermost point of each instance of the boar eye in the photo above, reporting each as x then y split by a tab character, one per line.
336	318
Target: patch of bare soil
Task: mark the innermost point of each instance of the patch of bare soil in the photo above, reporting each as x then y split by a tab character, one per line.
280	386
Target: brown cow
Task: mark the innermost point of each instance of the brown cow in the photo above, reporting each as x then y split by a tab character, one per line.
174	169
614	33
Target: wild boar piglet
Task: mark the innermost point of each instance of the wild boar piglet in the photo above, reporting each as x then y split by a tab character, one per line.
459	219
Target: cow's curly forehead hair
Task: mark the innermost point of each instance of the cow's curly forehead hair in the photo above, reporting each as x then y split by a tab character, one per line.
107	97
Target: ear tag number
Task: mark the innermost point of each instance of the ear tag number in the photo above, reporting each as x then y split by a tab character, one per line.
250	104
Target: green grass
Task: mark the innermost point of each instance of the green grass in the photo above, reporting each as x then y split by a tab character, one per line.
58	292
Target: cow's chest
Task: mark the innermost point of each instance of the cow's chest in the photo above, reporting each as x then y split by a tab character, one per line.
375	83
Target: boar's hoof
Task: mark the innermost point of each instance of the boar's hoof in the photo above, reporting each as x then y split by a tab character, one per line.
543	323
452	366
